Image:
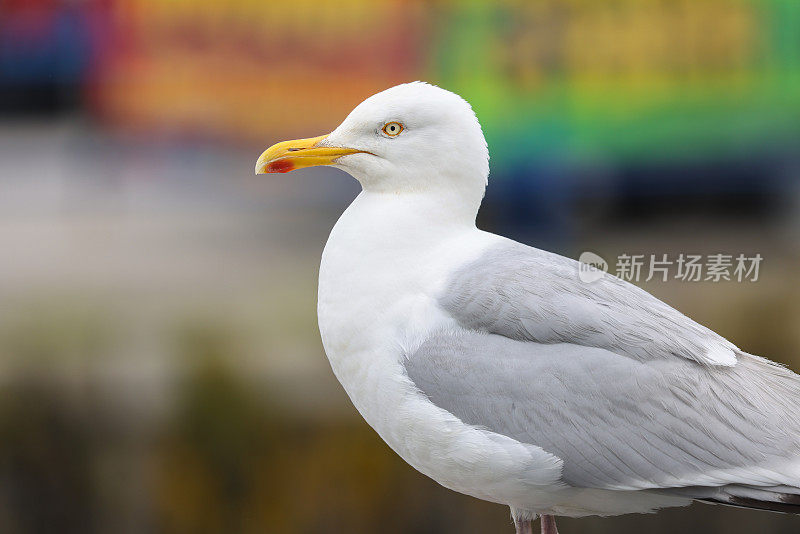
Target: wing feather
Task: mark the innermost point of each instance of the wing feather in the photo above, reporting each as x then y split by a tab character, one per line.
528	294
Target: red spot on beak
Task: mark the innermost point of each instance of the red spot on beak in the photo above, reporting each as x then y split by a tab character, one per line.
281	165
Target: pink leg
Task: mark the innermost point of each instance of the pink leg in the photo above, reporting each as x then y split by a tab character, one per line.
549	524
523	527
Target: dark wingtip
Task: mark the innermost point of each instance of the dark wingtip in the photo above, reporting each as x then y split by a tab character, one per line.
786	503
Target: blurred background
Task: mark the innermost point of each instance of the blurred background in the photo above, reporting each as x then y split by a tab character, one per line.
160	364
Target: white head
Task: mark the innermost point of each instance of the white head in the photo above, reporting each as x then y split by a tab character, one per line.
411	138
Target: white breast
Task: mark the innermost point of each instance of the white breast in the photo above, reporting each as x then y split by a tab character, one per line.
382	268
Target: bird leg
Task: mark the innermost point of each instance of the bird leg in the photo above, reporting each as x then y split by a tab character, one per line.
549	524
523	526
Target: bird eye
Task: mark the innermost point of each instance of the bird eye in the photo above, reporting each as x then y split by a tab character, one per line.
392	129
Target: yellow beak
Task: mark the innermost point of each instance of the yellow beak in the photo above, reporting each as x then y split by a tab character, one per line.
290	155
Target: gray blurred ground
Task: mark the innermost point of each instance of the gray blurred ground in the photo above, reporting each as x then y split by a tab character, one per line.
146	238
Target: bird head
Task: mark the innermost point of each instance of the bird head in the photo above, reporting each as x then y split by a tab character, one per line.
411	138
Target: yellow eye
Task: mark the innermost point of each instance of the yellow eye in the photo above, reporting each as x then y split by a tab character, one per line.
392	129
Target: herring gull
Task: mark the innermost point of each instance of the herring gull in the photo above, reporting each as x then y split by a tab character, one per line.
489	366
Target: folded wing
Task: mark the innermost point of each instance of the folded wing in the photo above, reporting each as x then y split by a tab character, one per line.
618	422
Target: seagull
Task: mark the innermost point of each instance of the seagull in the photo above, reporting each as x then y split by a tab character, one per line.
491	367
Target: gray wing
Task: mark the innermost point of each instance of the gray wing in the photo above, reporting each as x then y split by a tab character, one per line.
620	423
527	294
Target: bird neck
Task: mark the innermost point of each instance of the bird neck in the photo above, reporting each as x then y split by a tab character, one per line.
410	217
440	195
386	236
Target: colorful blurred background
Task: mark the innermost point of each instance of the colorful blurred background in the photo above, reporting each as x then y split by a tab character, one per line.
160	363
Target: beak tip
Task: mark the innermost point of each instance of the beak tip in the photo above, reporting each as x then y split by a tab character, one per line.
262	168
